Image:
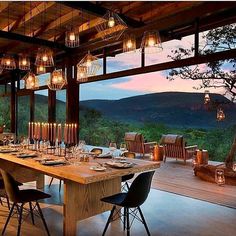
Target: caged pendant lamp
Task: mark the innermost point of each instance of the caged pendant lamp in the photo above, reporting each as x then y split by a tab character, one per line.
81	73
57	80
220	115
72	38
8	62
89	65
111	26
31	81
24	62
151	42
44	57
207	98
129	43
40	70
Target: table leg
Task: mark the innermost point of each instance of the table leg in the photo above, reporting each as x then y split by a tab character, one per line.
40	182
83	200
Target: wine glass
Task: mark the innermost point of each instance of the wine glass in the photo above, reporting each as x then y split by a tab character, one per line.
112	148
12	139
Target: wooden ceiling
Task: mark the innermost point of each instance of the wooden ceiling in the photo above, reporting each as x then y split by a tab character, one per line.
25	26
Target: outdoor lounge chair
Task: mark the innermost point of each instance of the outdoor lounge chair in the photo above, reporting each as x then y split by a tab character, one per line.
175	147
135	143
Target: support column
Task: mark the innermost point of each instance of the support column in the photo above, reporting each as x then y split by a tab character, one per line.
51	106
13	104
143	58
196	38
72	97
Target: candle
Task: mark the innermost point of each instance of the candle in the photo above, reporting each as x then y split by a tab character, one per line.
29	130
54	132
48	132
59	133
75	133
69	134
65	133
32	130
39	129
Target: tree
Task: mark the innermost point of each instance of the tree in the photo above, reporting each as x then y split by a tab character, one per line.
220	74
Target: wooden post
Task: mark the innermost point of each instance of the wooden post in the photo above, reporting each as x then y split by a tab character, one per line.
32	104
196	38
13	103
72	97
51	106
143	58
104	61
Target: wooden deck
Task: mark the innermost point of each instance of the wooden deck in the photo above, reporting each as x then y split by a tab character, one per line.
175	177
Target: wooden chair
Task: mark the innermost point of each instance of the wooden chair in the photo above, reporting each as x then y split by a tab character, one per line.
175	147
135	143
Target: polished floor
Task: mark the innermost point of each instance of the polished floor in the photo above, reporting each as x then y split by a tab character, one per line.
167	214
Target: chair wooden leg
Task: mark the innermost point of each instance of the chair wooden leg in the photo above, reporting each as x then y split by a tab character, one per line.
50	182
128	224
31	212
60	183
8	202
42	217
8	218
20	219
144	222
109	220
1	201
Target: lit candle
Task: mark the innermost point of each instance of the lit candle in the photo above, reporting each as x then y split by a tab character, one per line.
75	133
59	133
32	130
69	134
29	130
48	136
65	133
54	132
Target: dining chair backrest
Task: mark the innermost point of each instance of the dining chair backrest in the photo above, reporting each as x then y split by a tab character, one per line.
97	151
11	187
139	190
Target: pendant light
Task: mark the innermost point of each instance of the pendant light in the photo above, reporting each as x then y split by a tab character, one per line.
57	80
129	43
111	26
24	62
151	42
40	70
90	64
44	57
31	81
220	115
207	98
82	73
8	62
72	37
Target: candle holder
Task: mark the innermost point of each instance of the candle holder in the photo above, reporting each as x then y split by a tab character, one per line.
219	177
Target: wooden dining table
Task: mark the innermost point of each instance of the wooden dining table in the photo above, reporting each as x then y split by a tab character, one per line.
83	187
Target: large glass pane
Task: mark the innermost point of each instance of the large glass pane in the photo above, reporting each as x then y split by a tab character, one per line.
5	112
61	106
41	106
23	115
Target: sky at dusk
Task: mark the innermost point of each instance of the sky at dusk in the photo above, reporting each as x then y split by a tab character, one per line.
139	84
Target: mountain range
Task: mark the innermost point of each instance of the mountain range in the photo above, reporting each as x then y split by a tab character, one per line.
175	109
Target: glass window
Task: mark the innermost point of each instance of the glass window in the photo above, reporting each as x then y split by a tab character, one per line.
5	112
41	106
23	115
61	106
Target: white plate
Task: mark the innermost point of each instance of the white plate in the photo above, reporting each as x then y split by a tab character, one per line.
98	168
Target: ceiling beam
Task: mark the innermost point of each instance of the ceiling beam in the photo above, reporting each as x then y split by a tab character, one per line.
56	23
31	40
3	6
29	15
100	11
167	65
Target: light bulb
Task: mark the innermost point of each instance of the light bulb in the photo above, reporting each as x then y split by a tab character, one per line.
8	62
111	22
151	42
41	68
24	62
32	84
30	78
129	44
81	74
45	58
72	36
89	63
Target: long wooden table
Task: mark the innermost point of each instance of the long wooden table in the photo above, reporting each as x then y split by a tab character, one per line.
83	188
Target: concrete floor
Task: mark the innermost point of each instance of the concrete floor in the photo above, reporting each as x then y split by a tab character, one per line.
166	214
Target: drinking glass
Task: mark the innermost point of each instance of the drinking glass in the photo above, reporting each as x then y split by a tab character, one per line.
112	147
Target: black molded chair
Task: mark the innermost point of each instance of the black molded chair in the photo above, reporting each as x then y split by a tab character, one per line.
20	198
134	198
60	183
125	178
